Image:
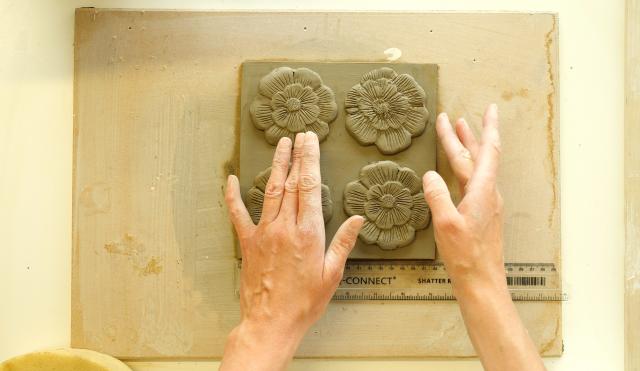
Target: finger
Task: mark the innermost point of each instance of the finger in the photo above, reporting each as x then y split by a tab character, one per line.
340	248
438	198
489	151
309	197
275	186
459	157
467	137
289	208
237	211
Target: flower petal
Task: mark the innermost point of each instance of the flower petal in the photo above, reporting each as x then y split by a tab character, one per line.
280	116
375	192
408	86
278	100
255	199
369	232
296	121
395	119
309	113
409	179
292	91
385	219
399	103
275	81
374	89
398	236
260	181
327	203
327	104
307	77
400	214
392	187
404	198
360	129
352	101
378	173
392	141
384	72
379	122
420	213
275	132
308	96
355	196
319	127
416	120
260	110
372	209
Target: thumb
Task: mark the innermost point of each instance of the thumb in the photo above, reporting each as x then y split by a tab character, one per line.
437	196
340	248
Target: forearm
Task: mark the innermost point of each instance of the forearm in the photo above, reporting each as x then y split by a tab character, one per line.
494	326
255	348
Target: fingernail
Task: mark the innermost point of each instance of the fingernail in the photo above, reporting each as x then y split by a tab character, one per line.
444	116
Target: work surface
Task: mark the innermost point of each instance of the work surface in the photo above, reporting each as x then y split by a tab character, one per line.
155	128
586	234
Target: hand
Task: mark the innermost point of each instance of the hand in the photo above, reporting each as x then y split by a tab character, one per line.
287	279
469	239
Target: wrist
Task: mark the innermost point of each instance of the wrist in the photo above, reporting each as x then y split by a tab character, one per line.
258	346
487	284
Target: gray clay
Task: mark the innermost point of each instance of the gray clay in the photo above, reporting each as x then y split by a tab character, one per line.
255	197
291	101
391	200
386	109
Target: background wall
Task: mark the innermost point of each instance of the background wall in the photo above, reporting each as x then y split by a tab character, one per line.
36	101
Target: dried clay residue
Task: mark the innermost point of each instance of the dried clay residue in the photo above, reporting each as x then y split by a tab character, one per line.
134	252
548	346
508	95
126	246
548	41
153	267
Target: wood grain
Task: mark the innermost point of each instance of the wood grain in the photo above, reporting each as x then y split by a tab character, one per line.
156	111
632	187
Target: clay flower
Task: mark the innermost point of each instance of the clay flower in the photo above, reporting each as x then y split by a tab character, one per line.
390	199
255	197
293	101
386	109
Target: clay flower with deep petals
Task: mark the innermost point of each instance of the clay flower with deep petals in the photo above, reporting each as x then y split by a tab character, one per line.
255	197
293	101
390	199
386	109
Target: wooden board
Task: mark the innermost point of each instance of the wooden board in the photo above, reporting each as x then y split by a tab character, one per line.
632	188
156	111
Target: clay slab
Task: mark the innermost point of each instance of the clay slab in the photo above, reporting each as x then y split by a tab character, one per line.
341	156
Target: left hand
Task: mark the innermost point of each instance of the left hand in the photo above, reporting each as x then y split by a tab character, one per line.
287	279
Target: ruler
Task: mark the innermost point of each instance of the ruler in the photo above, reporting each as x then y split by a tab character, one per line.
425	280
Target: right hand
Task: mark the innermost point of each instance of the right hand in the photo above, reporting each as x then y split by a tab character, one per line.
469	236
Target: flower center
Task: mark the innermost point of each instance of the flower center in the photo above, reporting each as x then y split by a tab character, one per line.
293	104
381	107
387	201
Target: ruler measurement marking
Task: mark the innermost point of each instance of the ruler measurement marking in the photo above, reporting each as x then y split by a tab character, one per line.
428	281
